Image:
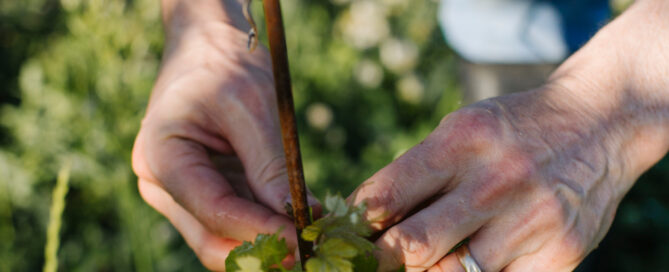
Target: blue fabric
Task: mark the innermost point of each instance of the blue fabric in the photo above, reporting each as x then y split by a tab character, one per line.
581	19
520	31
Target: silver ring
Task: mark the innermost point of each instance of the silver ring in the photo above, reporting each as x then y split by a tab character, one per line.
466	259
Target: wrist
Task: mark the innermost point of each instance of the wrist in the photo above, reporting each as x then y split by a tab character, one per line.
619	81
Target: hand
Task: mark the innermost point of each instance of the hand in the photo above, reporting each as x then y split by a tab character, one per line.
209	155
528	182
532	179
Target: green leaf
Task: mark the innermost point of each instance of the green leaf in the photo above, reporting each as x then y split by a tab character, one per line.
336	247
266	248
332	255
333	264
311	232
365	263
336	205
231	265
249	263
271	249
361	244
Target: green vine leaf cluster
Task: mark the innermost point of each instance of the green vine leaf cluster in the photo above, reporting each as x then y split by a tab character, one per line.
339	244
339	238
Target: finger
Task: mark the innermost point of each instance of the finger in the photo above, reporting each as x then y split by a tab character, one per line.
489	254
511	236
555	255
183	167
210	249
424	238
424	171
232	169
248	119
449	263
239	107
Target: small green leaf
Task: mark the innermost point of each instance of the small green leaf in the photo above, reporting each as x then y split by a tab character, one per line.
267	248
336	247
365	263
333	255
332	264
310	233
361	244
271	250
231	261
336	205
355	218
249	264
315	264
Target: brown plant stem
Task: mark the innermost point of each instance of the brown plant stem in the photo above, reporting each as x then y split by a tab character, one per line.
291	145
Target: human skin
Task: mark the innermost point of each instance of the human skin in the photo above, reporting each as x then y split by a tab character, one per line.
209	155
534	178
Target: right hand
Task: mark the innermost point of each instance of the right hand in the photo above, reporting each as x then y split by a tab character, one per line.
209	154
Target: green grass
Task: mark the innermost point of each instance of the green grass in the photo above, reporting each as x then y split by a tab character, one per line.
56	219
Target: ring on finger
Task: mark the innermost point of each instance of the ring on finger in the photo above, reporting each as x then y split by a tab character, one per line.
466	259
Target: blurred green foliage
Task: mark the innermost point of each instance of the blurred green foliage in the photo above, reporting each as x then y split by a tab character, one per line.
372	78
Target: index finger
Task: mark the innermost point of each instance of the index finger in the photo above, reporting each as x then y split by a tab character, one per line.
421	173
210	249
183	168
427	170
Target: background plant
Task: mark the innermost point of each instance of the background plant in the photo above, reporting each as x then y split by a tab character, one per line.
372	78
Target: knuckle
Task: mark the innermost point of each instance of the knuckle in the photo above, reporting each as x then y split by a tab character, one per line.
552	211
517	166
545	212
574	248
474	125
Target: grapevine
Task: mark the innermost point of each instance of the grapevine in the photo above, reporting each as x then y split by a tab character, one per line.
335	242
339	244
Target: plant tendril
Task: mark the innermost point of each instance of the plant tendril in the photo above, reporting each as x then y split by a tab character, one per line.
253	37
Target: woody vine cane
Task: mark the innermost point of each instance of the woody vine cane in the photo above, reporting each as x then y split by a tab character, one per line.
291	146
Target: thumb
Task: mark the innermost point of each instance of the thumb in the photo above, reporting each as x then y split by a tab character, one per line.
254	134
268	179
